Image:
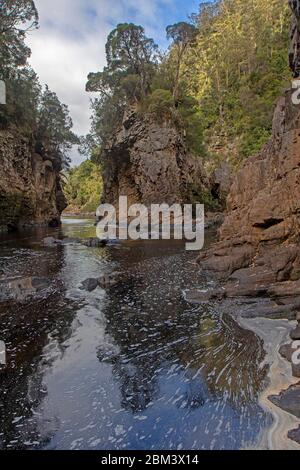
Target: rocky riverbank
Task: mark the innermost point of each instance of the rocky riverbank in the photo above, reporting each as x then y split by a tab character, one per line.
254	269
282	435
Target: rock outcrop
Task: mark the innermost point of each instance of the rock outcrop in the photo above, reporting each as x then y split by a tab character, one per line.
259	251
148	162
30	190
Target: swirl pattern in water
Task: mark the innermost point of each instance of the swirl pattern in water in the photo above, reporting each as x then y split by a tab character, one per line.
129	367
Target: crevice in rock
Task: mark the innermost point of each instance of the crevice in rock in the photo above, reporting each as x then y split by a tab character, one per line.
268	223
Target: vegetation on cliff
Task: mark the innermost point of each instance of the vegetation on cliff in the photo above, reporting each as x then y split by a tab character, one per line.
36	113
218	82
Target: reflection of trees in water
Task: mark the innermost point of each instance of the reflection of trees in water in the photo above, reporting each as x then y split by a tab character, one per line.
148	340
154	334
26	329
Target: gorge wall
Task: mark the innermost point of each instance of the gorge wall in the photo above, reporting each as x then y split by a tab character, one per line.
30	191
259	252
148	162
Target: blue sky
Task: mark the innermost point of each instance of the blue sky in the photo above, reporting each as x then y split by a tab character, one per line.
70	42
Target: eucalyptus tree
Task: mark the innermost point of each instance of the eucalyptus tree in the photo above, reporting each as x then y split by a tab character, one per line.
183	34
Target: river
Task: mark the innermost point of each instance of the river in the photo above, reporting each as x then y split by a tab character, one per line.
130	367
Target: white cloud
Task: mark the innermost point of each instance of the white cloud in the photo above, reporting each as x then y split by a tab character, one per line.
70	43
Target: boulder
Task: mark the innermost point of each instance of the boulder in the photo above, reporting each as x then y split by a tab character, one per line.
295	334
51	241
90	284
94	243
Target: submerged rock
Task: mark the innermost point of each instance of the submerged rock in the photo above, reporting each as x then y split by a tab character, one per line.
105	281
51	241
108	353
21	288
88	242
295	334
108	280
202	296
94	243
90	284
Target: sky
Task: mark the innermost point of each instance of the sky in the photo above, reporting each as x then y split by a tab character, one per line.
70	43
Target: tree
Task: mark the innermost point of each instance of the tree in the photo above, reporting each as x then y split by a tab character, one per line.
131	65
17	17
130	52
83	186
182	34
23	95
236	71
54	130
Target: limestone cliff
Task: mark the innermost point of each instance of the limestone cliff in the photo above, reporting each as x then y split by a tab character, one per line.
30	191
149	163
259	252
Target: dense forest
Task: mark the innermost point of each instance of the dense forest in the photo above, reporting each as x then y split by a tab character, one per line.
83	187
31	110
218	82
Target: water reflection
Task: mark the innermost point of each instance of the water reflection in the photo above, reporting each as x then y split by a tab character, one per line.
133	367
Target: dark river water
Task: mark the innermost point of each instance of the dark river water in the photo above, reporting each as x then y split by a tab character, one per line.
130	367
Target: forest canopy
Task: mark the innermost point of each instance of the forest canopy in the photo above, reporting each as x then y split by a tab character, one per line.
35	112
218	81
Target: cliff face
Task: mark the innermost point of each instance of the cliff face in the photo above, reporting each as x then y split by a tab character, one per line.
30	191
148	162
259	251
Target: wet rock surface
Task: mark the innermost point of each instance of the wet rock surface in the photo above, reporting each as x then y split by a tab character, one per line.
294	435
90	284
289	400
295	334
105	281
20	288
88	242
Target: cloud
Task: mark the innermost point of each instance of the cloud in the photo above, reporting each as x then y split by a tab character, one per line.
71	39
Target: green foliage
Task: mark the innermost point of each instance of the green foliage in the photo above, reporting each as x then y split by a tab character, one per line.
236	70
218	82
183	35
161	103
192	122
23	94
54	137
17	17
38	115
83	187
131	64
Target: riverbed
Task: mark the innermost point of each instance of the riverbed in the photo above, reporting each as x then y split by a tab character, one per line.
130	367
